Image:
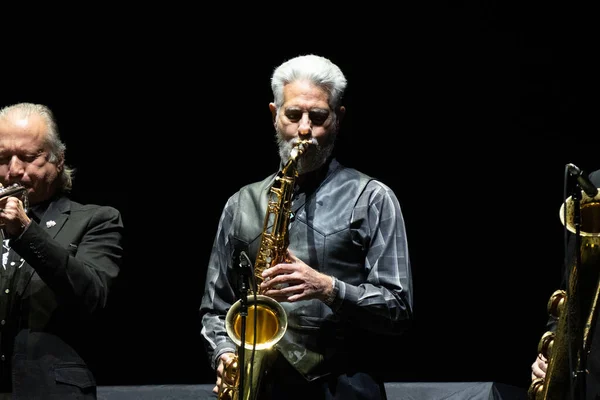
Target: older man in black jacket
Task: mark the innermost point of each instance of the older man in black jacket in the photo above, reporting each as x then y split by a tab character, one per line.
59	259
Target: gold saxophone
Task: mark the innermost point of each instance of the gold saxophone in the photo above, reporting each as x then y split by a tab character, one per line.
573	308
266	321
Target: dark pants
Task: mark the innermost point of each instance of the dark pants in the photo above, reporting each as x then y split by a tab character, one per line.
283	382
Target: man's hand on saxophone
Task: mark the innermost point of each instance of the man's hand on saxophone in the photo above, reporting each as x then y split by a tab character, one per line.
538	368
295	280
225	361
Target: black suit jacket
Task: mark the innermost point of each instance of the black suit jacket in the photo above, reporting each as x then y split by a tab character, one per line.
71	258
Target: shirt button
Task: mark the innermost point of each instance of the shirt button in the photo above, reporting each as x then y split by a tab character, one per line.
7	291
3	322
2	358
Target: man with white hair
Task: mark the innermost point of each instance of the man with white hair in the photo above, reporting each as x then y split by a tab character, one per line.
341	271
59	260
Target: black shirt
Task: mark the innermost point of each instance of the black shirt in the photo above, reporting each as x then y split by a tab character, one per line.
10	300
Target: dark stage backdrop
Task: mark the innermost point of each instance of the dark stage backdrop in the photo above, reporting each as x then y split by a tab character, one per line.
469	113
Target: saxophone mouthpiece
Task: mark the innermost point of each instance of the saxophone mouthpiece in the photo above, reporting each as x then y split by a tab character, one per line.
301	146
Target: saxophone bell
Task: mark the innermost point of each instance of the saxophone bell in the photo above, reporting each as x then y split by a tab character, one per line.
266	323
589	209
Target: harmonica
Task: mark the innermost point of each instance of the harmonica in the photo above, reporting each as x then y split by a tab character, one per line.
13	190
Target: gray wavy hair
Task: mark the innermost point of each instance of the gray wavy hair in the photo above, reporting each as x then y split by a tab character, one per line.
54	145
318	70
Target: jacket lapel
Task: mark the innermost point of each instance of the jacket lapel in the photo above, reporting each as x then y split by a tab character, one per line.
55	216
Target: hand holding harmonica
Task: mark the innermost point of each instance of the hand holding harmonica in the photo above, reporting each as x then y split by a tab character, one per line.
13	209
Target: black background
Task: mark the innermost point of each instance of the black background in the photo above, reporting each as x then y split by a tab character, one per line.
469	111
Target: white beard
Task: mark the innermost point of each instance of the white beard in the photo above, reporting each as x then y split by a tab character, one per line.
314	157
